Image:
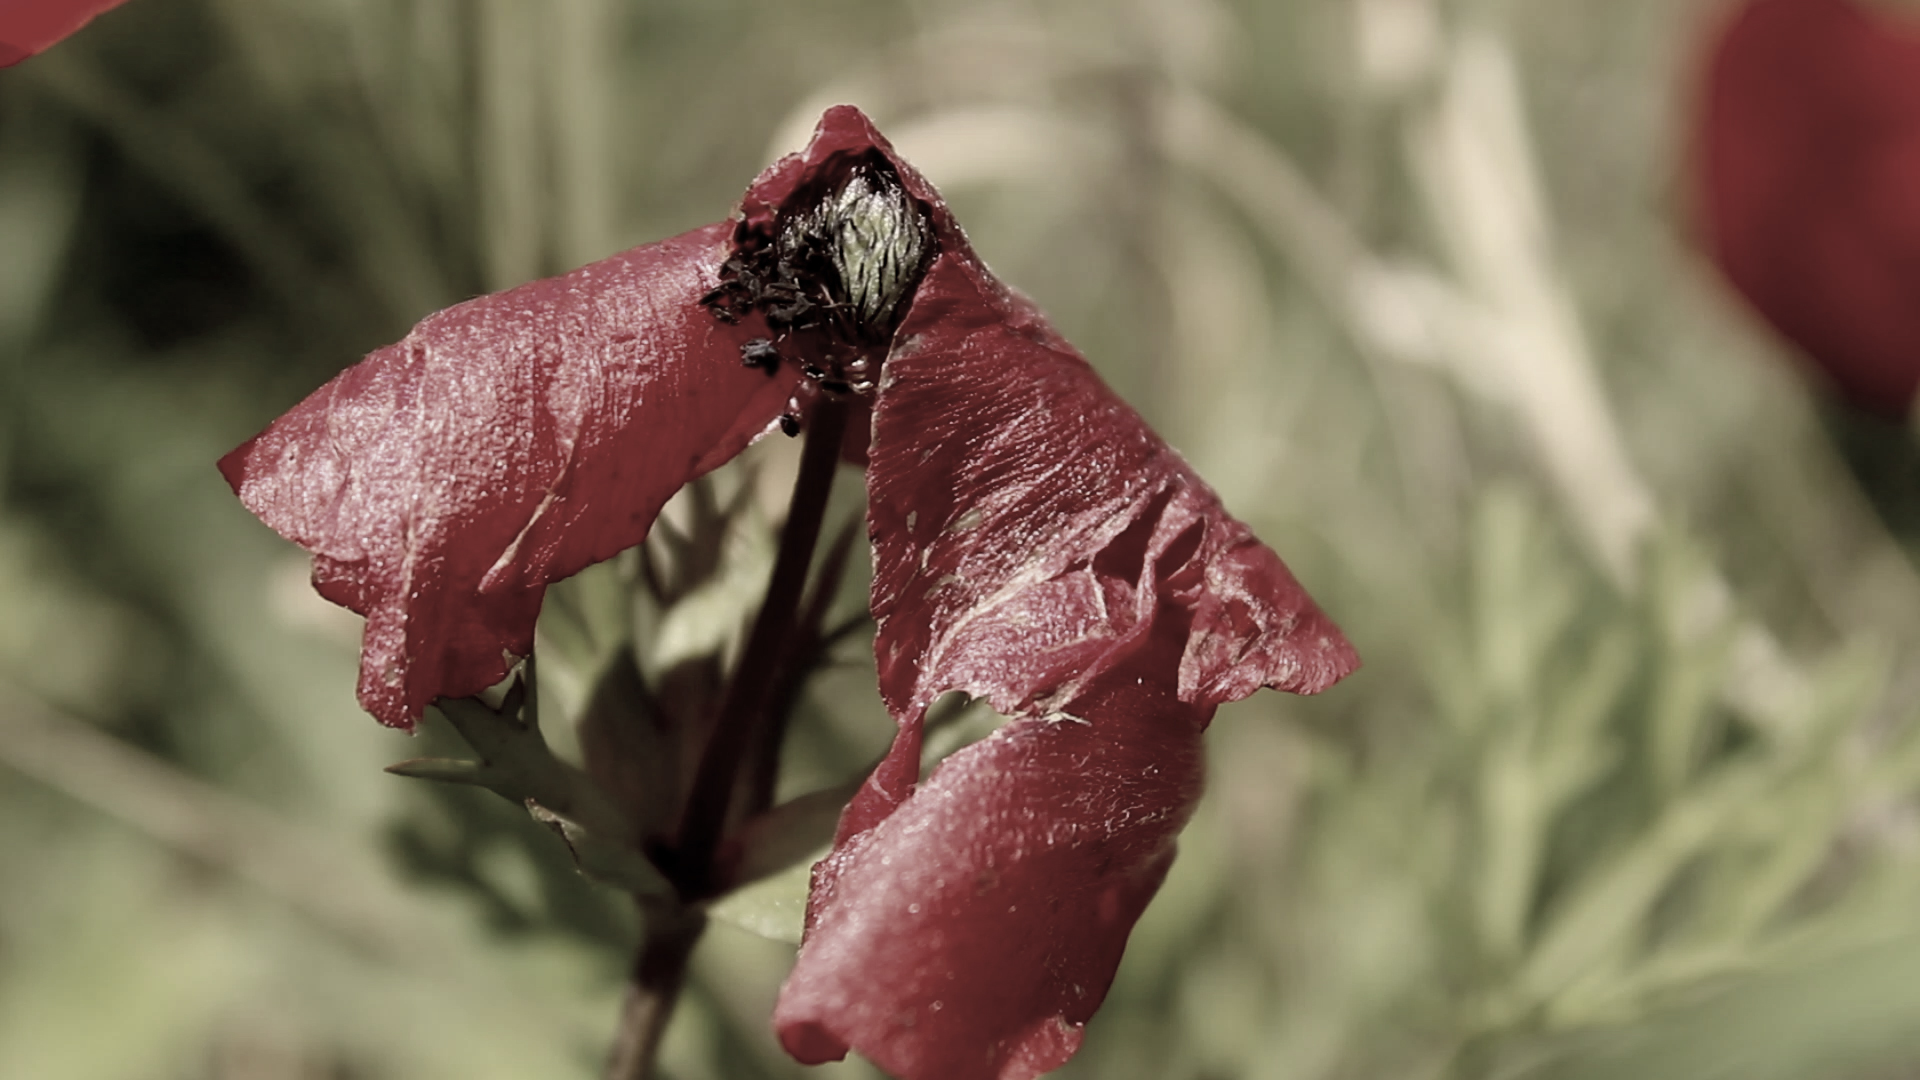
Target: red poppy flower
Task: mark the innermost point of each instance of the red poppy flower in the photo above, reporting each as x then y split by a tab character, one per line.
1035	545
1807	174
29	27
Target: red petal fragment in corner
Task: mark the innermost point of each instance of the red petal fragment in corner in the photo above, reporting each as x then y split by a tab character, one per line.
29	27
444	481
1807	184
973	932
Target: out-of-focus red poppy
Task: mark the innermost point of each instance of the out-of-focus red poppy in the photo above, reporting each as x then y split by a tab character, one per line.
1806	166
28	27
1035	545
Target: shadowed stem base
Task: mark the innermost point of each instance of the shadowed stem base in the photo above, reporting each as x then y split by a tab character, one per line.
653	987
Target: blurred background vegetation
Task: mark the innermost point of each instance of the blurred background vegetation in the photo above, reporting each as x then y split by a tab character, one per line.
1626	788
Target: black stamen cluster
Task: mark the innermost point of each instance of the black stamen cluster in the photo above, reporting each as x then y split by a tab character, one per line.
845	256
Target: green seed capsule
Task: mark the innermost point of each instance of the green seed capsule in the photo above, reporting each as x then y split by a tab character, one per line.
867	244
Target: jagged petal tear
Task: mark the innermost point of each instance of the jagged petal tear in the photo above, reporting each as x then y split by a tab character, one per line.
444	481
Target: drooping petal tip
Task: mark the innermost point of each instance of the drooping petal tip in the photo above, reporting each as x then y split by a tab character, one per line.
973	932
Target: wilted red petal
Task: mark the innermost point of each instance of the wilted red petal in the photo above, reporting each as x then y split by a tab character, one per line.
444	481
28	27
974	931
1027	524
1807	176
1038	546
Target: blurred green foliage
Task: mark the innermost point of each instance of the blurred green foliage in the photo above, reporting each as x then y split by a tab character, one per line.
1625	789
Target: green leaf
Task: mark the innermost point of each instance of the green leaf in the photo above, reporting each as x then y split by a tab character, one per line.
445	770
605	861
774	907
517	764
632	751
794	831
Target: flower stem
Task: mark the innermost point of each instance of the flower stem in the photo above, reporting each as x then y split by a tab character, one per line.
653	986
753	687
673	928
